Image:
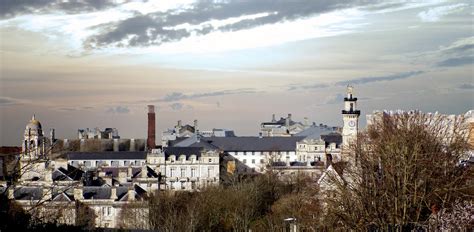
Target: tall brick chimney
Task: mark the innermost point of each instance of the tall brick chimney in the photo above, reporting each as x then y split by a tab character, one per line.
151	128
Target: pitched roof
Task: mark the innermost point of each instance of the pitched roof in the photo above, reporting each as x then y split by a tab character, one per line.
108	155
315	132
252	143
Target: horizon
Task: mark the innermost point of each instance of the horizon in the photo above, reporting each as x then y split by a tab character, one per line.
228	64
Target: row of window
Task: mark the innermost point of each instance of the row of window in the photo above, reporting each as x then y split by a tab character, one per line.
253	161
114	163
173	172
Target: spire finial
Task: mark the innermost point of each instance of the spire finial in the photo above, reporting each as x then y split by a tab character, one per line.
350	89
34	117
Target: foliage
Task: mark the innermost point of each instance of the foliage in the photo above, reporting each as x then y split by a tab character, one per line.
402	167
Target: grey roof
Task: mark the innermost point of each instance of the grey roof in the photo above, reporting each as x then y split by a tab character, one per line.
252	143
332	138
108	155
187	151
315	132
28	193
96	192
281	121
185	142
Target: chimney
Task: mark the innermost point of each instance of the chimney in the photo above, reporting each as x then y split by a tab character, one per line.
306	123
151	143
273	118
129	171
132	145
288	120
113	193
52	135
131	194
179	124
144	172
82	145
116	145
65	143
122	175
78	194
196	128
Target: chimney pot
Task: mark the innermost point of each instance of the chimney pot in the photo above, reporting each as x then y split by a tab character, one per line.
151	139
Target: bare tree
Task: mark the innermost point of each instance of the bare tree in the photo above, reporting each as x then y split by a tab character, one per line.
401	167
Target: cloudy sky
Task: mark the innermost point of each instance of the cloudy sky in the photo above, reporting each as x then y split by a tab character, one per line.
229	64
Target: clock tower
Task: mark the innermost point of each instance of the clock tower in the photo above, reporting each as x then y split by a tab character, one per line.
350	116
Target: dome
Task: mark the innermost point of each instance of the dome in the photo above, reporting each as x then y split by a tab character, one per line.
33	124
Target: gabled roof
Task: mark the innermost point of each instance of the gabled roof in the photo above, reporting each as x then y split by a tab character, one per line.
107	155
62	197
252	143
328	174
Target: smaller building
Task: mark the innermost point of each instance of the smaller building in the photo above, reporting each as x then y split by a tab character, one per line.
186	168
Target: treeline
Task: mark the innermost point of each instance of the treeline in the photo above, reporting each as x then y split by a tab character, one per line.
261	203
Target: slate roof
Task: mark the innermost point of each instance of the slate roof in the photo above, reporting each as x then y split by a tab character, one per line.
281	121
28	193
108	155
315	132
253	143
187	151
332	138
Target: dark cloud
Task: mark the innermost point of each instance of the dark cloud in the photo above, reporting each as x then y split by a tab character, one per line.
6	101
315	86
12	8
360	81
458	61
466	86
118	110
365	80
177	96
157	28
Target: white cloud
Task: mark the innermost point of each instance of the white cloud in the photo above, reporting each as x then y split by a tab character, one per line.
435	14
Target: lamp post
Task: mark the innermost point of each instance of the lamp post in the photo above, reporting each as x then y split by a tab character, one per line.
290	225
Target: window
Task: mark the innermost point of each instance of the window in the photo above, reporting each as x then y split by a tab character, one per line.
193	172
253	161
172	172
193	185
261	161
210	160
209	171
244	161
182	186
183	172
126	163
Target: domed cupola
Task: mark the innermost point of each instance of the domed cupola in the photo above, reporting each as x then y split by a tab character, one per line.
34	127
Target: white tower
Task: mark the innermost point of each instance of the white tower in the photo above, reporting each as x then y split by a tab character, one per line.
33	150
350	116
33	139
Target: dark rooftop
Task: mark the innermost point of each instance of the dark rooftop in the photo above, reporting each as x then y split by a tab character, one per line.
253	143
106	155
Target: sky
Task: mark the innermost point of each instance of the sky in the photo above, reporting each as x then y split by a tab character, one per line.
229	64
